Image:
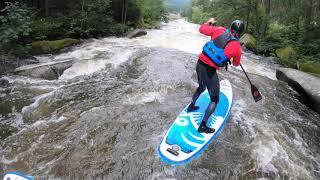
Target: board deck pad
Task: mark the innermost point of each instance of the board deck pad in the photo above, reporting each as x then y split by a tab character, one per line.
183	142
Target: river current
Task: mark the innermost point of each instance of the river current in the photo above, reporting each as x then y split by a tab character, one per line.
105	116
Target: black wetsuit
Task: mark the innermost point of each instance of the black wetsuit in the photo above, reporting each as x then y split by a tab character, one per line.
207	78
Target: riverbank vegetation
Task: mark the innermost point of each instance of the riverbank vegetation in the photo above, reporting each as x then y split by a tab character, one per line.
26	24
177	6
288	29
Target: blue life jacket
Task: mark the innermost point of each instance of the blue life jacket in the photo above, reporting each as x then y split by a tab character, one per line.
214	49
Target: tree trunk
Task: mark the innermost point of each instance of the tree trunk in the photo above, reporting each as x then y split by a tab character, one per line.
308	14
82	13
257	18
122	12
125	11
82	6
1	5
46	7
248	14
267	4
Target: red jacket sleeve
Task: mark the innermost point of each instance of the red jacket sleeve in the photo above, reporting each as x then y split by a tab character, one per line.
233	51
237	58
207	29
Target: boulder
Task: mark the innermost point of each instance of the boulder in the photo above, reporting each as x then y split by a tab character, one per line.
272	59
304	83
157	25
44	47
49	71
29	60
136	33
248	41
4	82
286	52
8	64
311	67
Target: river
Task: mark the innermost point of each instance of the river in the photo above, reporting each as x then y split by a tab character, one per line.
106	115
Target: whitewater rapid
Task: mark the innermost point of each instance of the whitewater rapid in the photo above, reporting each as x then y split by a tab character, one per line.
106	115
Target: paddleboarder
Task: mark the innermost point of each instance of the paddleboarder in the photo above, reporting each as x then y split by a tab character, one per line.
223	48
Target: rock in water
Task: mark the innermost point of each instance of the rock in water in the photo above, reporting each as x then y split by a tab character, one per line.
136	33
4	82
249	41
44	47
286	52
50	71
302	82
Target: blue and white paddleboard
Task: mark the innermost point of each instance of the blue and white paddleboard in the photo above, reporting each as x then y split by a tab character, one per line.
183	142
17	176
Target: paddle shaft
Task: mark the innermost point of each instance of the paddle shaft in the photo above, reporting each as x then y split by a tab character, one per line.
246	74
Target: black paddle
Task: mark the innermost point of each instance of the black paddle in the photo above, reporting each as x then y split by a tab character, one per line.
254	90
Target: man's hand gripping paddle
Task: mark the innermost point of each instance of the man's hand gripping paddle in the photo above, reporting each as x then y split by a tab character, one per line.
254	90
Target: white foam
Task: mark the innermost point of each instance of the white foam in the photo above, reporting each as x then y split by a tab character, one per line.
253	66
26	80
62	118
270	155
93	55
18	121
87	51
92	110
36	103
121	57
144	98
38	123
38	141
167	174
84	67
8	161
33	83
264	152
247	123
178	34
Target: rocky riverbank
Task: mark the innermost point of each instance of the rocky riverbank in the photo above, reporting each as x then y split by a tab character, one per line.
8	63
304	83
49	71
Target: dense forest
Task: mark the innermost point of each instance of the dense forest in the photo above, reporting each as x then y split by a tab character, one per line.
26	21
288	29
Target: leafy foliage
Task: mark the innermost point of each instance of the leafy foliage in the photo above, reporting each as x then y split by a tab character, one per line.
21	24
151	11
47	28
15	25
95	19
276	24
198	16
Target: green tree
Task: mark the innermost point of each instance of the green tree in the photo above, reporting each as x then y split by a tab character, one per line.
276	24
15	26
92	18
151	11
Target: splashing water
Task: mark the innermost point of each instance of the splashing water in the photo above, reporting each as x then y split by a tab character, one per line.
105	116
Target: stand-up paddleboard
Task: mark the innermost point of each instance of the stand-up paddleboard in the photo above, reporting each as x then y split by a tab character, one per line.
183	142
17	176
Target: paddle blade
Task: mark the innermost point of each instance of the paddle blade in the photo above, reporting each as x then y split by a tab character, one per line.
255	93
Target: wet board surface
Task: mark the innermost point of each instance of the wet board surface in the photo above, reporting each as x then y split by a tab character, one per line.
183	142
